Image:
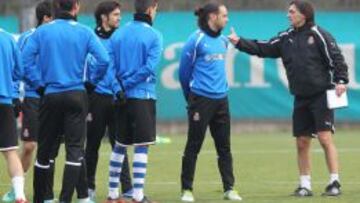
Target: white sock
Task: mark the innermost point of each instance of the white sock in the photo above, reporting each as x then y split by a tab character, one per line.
334	177
139	171
85	200
18	185
305	181
116	160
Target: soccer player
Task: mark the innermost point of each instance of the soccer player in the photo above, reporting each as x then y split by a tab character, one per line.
314	64
11	71
30	105
203	80
137	49
102	109
61	48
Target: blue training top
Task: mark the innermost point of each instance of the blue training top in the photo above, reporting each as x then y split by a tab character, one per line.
60	49
202	66
11	68
137	49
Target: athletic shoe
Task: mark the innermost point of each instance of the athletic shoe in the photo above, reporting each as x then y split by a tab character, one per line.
302	192
232	195
87	200
50	201
128	194
187	196
9	196
332	189
92	195
144	200
119	200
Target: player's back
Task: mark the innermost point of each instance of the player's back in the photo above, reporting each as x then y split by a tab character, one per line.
63	46
8	62
132	44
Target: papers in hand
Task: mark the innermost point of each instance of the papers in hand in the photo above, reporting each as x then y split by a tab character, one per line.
334	101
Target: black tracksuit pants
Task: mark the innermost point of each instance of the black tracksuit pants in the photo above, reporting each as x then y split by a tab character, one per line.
203	112
102	114
63	112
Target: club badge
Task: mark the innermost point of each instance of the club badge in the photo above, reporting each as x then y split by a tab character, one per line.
196	116
26	133
311	40
89	117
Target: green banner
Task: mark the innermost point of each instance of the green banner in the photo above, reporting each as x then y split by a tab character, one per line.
9	23
258	87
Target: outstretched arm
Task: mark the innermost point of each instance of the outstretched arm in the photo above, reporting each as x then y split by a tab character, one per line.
270	48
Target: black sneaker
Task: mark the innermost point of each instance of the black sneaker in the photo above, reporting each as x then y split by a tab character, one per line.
302	192
332	189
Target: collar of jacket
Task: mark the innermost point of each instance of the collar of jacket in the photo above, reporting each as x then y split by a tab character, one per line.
306	26
102	33
211	32
142	17
65	16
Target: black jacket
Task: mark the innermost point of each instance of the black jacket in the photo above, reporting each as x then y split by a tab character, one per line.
311	57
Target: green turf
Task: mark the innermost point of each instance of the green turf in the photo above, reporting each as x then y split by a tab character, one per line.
264	164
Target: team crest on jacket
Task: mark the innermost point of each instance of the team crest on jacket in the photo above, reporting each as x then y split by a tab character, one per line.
26	133
89	117
196	116
311	40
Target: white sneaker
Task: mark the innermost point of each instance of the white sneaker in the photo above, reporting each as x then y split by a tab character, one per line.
9	196
85	200
232	195
92	194
50	201
187	196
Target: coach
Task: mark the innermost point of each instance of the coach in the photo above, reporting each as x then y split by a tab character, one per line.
313	64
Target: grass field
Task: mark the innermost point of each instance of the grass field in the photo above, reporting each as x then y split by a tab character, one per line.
264	163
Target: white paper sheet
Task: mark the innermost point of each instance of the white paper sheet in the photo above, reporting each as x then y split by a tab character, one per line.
334	102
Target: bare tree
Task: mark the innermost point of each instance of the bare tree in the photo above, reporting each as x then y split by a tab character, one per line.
27	14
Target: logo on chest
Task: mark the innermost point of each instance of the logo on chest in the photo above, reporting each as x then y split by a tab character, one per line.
311	40
214	57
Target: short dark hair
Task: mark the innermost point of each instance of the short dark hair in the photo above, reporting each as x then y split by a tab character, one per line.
306	8
64	5
105	8
204	12
141	6
43	9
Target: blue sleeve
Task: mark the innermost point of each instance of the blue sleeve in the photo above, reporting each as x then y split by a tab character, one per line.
186	66
18	72
115	65
90	67
115	85
98	51
149	69
22	41
29	54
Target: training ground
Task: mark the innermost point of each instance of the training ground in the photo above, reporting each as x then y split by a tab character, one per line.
264	165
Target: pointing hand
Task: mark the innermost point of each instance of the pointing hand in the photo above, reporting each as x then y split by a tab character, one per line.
234	39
